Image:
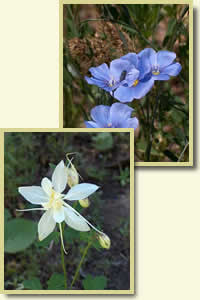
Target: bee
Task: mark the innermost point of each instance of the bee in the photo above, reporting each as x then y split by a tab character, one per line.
123	75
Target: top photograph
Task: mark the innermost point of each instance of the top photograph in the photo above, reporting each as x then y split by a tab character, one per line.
130	66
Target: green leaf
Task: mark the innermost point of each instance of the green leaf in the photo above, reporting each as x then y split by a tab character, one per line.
88	236
45	243
52	166
71	235
96	173
32	284
94	283
56	282
103	141
141	146
171	25
85	235
7	215
176	116
19	234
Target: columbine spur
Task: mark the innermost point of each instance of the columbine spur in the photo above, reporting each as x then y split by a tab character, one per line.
50	196
73	179
117	115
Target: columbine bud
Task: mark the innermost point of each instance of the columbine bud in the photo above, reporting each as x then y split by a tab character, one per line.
104	241
73	177
84	202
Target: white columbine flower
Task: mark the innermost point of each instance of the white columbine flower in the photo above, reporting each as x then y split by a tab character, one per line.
50	197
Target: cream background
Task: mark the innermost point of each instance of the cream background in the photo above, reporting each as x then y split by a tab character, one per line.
167	199
29	66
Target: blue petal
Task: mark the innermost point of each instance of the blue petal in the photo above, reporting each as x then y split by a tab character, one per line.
145	62
94	81
100	114
118	113
146	77
101	72
150	54
99	83
142	88
161	77
165	58
132	75
124	94
173	69
132	123
117	66
132	58
91	124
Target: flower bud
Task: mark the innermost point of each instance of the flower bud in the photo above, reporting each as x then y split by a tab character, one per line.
73	177
84	202
104	241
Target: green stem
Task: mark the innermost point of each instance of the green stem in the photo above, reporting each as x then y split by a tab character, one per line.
156	23
81	262
63	266
151	129
182	153
75	204
143	113
148	118
177	27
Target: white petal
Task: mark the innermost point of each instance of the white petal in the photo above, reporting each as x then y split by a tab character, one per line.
47	186
81	191
58	214
46	224
59	177
33	194
74	221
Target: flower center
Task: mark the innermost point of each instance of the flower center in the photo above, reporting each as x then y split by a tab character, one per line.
55	201
109	124
135	82
112	82
156	71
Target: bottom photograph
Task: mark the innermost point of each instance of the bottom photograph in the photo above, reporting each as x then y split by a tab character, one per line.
68	211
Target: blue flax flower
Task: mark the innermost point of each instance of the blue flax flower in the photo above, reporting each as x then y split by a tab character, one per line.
108	78
117	115
137	82
161	64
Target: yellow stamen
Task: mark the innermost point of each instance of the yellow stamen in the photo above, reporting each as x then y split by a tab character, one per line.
155	72
109	124
111	82
54	201
51	200
57	204
135	82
